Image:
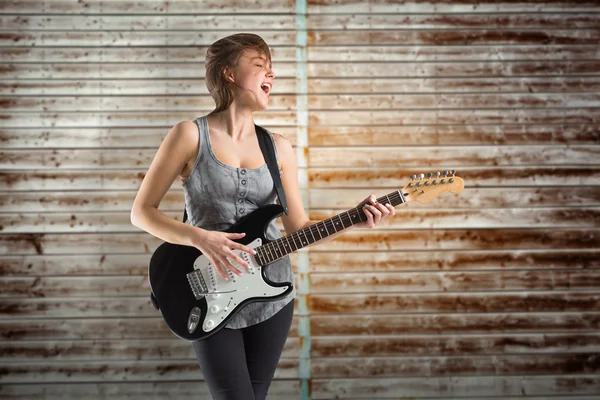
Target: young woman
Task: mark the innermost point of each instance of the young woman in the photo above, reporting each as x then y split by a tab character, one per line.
225	177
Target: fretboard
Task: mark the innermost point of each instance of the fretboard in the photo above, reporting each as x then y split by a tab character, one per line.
279	248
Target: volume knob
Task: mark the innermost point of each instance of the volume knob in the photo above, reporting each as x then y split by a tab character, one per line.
214	309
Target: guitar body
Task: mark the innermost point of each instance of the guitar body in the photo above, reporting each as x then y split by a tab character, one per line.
194	299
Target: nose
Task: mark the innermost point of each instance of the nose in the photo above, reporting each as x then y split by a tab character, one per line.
270	73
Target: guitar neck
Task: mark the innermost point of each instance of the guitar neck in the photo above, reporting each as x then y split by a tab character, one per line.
279	248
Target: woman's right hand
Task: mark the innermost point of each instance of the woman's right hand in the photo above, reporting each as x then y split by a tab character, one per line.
217	247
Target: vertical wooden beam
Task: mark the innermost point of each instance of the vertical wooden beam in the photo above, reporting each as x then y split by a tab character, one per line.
302	157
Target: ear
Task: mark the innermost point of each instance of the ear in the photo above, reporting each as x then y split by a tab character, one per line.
228	75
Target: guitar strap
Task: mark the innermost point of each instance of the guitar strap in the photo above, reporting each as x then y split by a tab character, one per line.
269	154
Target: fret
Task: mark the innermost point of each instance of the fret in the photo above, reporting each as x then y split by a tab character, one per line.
323	228
401	197
293	237
332	225
276	247
388	199
312	234
349	218
340	218
287	239
305	237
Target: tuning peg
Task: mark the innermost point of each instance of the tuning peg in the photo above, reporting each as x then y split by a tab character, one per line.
413	177
429	175
445	173
453	172
437	174
422	176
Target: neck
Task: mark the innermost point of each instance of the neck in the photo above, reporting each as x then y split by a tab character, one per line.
279	248
236	121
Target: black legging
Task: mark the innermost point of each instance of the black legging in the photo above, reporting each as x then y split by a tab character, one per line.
239	364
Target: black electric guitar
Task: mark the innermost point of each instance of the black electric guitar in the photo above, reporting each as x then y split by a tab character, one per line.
195	300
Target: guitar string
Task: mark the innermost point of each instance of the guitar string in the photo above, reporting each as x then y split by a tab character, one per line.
274	247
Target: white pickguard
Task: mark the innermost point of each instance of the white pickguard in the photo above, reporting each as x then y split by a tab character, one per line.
224	295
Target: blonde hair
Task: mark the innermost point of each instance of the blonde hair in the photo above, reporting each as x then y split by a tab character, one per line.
226	52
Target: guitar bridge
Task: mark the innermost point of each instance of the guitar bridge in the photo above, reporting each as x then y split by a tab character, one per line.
197	283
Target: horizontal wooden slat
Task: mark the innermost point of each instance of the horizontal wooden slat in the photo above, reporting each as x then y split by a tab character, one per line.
454	345
427	260
99	307
106	350
450	37
374	52
129	103
323	304
454	69
102	371
332	199
322	262
437	20
437	6
404	219
315	102
133	119
280	389
100	137
418	37
432	219
363	239
93	54
285	53
316	86
207	22
120	71
325	118
450	302
343	199
407	282
143	38
499	388
388	156
139	87
314	21
104	328
149	7
483	386
73	286
385	177
370	178
432	323
434	117
450	85
497	365
325	283
492	135
401	156
436	101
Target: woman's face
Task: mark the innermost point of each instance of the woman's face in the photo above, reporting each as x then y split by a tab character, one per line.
253	78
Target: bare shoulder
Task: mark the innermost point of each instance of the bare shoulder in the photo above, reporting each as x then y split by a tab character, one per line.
283	144
185	133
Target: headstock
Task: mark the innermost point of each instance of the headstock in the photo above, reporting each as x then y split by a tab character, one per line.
426	188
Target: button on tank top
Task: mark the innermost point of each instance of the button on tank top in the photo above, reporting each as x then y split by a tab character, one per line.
217	195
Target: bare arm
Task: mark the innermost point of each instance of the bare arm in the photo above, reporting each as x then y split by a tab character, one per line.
169	161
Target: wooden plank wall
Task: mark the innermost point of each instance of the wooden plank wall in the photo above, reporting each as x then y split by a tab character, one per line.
490	294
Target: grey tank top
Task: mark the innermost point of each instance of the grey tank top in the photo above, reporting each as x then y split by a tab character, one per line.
217	195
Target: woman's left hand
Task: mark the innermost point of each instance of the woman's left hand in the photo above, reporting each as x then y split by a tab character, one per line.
374	211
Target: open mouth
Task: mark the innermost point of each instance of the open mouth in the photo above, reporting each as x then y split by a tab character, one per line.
266	87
